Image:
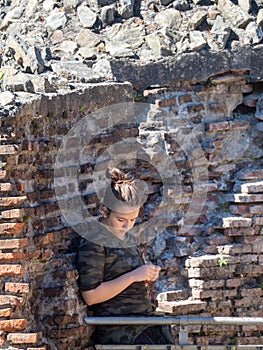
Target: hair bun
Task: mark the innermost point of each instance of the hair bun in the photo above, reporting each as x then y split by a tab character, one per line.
117	176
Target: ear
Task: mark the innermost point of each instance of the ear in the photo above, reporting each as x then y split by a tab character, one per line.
105	212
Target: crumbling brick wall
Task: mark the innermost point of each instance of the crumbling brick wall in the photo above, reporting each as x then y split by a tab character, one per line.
211	268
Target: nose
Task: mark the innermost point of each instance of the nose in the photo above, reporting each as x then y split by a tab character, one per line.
125	224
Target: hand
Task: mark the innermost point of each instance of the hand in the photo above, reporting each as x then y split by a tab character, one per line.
148	273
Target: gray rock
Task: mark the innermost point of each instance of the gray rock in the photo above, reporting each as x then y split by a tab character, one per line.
169	18
6	98
259	109
67	46
196	19
181	5
76	3
160	44
197	41
119	49
44	84
19	52
245	5
15	82
166	2
37	64
56	20
260	18
76	72
86	38
86	16
122	40
48	5
96	4
234	13
220	31
125	8
102	69
108	14
31	9
87	53
253	34
12	16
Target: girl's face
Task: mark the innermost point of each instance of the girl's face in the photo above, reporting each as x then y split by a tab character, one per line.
120	223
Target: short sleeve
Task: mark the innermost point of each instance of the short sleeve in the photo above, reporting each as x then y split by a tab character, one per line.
90	265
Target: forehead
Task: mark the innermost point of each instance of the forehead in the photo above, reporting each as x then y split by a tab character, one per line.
128	216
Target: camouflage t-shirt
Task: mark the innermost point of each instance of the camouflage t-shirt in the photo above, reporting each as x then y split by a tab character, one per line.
97	264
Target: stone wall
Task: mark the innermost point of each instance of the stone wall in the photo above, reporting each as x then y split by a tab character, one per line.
210	266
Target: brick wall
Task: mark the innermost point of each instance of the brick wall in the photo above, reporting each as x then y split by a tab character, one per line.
212	266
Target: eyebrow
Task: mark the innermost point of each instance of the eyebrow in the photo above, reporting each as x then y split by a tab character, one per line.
123	218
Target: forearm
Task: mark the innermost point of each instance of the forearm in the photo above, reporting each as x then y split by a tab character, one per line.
109	289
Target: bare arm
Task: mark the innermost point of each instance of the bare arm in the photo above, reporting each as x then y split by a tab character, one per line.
109	289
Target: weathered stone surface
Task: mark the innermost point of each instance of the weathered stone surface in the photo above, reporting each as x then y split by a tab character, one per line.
220	31
237	16
259	109
6	98
86	16
196	19
56	19
197	41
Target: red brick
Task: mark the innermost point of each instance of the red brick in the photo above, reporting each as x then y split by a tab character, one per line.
2	174
250	231
6	312
14	243
183	307
11	270
185	99
258	221
12	228
6	187
13	325
17	287
12	256
251	292
239	125
44	240
23	338
13	213
12	201
248	198
236	222
217	126
166	103
8	149
65	333
251	175
2	340
234	282
11	300
258	247
195	108
235	249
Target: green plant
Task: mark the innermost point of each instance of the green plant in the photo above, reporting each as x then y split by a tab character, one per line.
232	341
34	125
224	206
261	285
1	75
138	97
50	115
64	115
222	262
